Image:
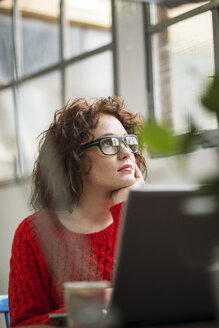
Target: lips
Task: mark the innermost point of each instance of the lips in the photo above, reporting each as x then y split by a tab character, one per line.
126	167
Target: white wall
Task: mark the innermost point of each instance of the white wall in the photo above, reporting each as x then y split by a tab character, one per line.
13	209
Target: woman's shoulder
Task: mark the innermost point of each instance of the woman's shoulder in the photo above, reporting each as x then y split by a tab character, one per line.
33	222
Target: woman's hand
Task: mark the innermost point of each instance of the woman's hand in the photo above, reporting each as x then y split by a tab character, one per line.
121	195
139	178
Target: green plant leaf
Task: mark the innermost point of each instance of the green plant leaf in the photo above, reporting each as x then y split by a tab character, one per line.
158	139
211	97
187	141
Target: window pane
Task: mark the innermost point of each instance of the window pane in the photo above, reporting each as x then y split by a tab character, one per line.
8	149
40	98
160	12
6	59
40	29
89	25
91	77
183	63
85	39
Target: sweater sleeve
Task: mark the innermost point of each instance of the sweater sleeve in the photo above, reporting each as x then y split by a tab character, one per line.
29	303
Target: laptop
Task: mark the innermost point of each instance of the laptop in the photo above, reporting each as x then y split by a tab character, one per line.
164	256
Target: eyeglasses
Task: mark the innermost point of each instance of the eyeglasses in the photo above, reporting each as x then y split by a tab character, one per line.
110	145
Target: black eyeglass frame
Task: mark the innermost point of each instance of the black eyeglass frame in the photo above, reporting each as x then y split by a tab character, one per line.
96	143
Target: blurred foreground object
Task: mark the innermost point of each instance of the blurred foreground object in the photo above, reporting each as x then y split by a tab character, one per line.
85	301
210	99
160	140
214	277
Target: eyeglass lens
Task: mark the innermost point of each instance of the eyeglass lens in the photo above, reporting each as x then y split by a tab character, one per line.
111	145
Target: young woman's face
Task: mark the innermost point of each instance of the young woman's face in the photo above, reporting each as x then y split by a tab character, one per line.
108	173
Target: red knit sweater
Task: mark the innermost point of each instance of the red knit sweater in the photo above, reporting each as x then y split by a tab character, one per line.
44	255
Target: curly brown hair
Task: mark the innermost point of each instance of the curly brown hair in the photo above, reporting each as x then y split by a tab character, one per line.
57	175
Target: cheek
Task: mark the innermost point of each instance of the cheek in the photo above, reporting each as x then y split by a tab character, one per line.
86	164
105	166
100	166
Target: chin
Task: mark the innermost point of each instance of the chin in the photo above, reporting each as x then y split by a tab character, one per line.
127	182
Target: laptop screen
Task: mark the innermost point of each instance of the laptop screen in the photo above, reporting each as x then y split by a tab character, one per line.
163	257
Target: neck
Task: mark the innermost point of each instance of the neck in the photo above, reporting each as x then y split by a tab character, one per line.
91	214
93	206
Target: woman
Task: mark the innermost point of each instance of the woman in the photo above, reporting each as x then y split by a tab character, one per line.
88	159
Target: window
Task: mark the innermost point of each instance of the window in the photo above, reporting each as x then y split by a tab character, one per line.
183	55
6	53
162	12
94	76
40	98
87	25
51	51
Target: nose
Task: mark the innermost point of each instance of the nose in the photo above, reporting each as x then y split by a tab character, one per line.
124	151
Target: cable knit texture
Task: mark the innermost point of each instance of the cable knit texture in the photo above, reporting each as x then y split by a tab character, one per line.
45	254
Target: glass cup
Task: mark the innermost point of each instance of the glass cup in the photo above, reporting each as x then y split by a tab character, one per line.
85	302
